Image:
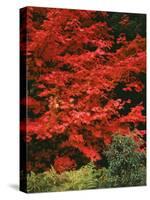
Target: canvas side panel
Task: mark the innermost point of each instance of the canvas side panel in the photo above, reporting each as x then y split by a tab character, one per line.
23	91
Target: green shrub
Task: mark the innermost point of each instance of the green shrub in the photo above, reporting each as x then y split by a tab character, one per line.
126	164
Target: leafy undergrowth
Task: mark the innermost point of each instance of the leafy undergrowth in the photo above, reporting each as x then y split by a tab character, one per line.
126	167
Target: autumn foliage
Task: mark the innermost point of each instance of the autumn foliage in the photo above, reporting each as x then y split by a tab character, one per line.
85	83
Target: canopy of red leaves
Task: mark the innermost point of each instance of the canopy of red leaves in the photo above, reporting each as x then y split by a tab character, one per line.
86	82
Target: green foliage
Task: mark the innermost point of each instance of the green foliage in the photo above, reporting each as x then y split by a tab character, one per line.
126	164
44	182
84	178
126	167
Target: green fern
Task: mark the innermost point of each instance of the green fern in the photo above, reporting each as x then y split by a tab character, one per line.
84	178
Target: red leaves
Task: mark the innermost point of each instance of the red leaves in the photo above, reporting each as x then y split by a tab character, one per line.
137	86
134	116
80	117
59	128
90	153
39	129
76	138
45	93
107	139
97	133
32	104
84	80
143	132
64	163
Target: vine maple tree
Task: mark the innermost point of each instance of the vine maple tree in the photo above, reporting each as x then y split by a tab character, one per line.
85	83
